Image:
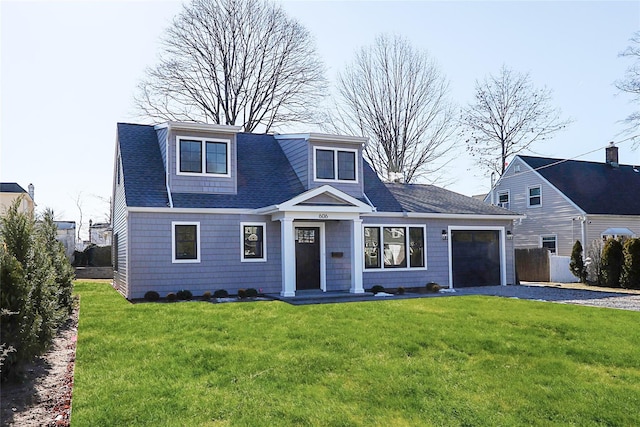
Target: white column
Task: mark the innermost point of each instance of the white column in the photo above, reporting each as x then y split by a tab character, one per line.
357	257
288	258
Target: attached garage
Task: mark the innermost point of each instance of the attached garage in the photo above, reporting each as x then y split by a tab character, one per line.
477	257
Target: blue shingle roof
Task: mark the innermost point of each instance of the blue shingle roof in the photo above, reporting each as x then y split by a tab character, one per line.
265	178
597	188
431	199
11	187
142	167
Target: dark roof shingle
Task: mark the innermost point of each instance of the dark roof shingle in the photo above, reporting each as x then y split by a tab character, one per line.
597	188
431	199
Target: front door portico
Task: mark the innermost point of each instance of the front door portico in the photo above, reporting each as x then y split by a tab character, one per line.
305	215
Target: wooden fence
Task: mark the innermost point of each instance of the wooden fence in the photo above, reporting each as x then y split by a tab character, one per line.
532	265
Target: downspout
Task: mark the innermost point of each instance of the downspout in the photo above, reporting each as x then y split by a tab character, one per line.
369	202
583	233
493	183
168	174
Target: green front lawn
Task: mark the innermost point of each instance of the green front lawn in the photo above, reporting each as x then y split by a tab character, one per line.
433	361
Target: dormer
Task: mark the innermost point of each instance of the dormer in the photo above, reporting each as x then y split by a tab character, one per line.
321	159
199	158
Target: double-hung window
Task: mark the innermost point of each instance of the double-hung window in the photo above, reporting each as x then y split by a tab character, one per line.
503	199
253	242
549	242
185	238
203	156
534	198
333	164
393	247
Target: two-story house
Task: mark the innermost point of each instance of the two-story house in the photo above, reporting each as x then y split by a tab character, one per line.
567	200
205	207
10	191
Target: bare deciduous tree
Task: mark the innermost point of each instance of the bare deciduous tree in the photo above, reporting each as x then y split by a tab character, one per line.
631	81
236	62
397	97
508	115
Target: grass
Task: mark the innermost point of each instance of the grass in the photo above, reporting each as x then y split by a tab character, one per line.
458	361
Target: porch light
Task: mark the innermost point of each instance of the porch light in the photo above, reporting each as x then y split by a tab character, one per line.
509	235
444	235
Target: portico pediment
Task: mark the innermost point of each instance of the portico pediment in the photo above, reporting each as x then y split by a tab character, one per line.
320	199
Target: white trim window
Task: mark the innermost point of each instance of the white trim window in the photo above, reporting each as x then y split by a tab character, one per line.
503	199
253	241
203	156
333	164
534	196
550	242
185	242
391	247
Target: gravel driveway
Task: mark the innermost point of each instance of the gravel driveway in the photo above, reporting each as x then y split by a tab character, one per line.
562	293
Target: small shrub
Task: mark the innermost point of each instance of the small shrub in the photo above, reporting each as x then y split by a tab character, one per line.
400	291
377	289
171	297
576	265
152	296
433	287
631	266
252	293
242	293
221	293
206	296
184	294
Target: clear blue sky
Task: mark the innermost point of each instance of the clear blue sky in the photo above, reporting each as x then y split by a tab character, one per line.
69	70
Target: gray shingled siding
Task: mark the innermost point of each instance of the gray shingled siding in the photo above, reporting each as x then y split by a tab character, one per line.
202	183
554	217
162	142
119	220
338	256
220	266
437	253
353	189
297	151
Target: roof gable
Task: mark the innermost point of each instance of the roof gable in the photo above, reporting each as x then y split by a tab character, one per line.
597	188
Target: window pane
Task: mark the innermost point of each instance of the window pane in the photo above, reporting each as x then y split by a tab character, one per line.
371	247
347	165
253	241
217	157
394	247
549	242
186	242
416	246
190	156
534	196
324	164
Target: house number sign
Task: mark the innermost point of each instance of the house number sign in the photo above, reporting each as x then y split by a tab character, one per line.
323	216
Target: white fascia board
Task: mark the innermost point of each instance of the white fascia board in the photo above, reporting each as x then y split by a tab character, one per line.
445	216
325	137
231	211
201	127
310	194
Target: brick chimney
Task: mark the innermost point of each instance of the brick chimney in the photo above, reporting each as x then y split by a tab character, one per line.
612	155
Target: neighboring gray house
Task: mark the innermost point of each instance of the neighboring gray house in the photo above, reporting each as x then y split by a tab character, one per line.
568	200
205	207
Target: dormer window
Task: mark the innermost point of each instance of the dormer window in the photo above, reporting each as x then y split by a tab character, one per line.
203	156
332	164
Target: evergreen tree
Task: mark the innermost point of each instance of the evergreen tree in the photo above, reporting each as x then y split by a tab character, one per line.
631	266
612	259
576	265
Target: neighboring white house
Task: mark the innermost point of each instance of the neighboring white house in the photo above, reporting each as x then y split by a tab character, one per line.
567	200
100	233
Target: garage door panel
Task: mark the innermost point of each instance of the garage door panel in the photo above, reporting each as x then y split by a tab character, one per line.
475	257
